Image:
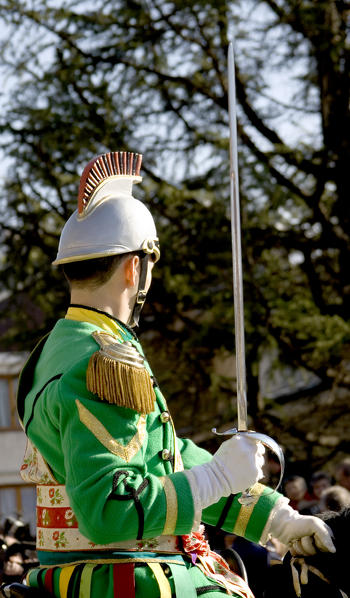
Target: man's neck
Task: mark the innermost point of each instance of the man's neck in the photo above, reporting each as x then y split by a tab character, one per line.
112	305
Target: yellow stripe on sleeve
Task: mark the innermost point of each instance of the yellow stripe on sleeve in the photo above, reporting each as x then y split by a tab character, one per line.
171	506
246	511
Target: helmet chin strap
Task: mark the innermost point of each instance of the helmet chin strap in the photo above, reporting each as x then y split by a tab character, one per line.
141	293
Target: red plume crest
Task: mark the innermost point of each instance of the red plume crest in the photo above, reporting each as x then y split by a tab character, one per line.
103	167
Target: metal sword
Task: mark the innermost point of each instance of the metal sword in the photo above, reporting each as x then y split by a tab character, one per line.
242	416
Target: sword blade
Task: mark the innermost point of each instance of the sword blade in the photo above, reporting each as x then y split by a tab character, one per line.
242	416
247	497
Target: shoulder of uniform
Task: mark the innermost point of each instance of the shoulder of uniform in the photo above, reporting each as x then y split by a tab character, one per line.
25	382
116	373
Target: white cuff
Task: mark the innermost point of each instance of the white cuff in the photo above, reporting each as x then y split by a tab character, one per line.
266	535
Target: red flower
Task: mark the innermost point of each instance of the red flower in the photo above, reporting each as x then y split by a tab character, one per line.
195	544
51	492
55	535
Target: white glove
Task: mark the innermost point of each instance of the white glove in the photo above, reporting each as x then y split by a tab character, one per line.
303	534
235	467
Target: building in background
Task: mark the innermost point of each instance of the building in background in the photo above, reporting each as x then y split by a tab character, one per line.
17	499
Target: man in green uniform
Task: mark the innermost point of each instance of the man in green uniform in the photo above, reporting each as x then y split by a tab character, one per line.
120	497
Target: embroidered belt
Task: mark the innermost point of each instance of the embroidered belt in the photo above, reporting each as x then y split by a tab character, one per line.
57	528
76	580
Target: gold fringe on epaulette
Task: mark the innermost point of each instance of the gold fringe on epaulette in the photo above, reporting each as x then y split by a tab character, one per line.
120	384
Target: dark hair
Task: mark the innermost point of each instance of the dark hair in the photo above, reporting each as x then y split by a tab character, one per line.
94	272
320	475
335	498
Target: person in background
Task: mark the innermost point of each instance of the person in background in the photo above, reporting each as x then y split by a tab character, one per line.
16	530
342	473
319	481
295	488
334	498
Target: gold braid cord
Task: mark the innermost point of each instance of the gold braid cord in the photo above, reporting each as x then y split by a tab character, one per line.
302	578
116	373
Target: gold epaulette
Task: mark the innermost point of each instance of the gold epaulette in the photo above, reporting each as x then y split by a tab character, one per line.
117	374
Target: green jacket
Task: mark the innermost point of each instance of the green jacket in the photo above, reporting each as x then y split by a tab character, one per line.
117	465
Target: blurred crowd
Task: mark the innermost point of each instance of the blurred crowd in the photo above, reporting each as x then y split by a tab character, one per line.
323	491
17	550
317	493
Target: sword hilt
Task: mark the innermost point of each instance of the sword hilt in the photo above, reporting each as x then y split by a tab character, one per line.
247	498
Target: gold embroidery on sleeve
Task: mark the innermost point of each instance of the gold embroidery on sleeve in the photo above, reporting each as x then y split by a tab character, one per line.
245	512
101	433
171	506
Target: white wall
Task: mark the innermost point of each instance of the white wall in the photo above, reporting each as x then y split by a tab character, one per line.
12	447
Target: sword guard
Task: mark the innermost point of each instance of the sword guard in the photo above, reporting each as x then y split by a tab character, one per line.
247	498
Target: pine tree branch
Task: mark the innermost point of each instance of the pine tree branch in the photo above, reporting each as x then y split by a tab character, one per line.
264	158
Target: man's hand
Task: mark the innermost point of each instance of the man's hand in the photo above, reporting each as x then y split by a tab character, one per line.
303	534
240	461
235	466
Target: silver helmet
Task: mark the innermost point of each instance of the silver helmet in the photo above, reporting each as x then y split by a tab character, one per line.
109	220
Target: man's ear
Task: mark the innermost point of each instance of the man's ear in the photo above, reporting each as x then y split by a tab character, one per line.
131	270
